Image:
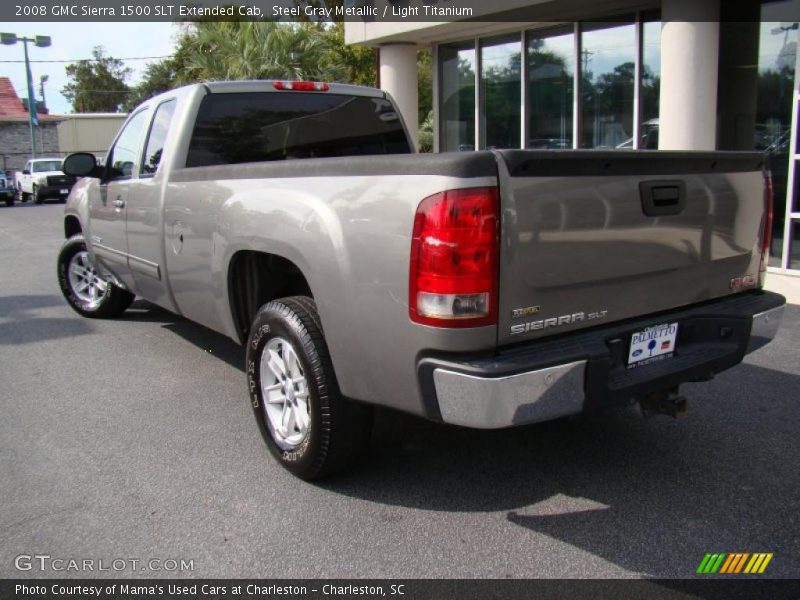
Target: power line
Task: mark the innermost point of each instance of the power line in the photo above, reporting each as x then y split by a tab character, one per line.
89	59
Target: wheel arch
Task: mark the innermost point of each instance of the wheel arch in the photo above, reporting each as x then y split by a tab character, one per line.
72	226
255	278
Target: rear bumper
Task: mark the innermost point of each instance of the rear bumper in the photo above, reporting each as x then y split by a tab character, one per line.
566	375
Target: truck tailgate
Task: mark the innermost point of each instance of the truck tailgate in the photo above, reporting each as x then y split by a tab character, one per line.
592	237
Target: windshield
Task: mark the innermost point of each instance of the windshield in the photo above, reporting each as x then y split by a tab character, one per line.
46	165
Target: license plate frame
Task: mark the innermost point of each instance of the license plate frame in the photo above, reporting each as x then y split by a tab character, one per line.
652	344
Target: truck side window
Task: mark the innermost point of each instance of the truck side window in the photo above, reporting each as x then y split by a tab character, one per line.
123	154
244	127
157	136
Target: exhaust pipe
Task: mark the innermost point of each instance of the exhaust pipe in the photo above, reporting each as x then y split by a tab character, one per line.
668	402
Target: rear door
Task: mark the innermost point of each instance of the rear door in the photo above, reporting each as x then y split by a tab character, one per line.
108	203
594	237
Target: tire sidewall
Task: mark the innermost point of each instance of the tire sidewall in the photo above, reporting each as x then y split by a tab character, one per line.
278	320
70	248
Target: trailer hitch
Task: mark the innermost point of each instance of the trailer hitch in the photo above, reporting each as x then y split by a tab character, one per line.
667	402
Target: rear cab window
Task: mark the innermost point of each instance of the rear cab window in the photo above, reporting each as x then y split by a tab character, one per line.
234	128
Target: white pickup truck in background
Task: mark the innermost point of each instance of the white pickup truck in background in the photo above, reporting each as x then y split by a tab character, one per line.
42	178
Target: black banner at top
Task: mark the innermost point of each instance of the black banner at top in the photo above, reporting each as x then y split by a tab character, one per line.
351	11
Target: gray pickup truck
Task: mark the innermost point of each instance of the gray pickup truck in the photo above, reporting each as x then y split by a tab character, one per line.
483	289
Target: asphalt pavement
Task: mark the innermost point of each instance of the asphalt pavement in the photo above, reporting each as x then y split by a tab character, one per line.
133	439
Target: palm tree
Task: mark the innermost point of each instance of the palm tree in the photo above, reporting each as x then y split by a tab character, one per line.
229	50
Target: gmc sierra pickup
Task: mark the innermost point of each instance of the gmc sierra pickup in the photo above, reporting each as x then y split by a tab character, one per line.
484	289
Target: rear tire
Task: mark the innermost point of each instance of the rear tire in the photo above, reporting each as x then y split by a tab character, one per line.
84	289
310	428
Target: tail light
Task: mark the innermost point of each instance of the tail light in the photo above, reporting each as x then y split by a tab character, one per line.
301	86
766	233
454	259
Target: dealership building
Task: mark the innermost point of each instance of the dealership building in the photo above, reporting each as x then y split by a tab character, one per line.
619	74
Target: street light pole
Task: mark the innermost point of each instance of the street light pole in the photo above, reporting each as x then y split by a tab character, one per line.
41	41
32	120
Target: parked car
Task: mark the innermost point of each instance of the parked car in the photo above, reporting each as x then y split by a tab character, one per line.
43	178
482	289
7	191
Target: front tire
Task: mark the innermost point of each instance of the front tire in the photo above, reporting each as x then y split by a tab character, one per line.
84	289
310	428
36	198
10	201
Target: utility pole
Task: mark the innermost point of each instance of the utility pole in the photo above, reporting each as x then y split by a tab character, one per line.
40	41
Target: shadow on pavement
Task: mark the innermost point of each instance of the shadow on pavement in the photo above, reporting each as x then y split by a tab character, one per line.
210	341
14	306
23	326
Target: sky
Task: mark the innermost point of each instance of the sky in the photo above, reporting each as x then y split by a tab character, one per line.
72	41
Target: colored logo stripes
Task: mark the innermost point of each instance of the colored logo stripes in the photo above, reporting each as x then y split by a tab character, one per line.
734	563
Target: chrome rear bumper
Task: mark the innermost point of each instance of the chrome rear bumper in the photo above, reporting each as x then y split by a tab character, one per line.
765	328
493	403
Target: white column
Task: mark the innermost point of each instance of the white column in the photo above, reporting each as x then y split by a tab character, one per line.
689	66
399	78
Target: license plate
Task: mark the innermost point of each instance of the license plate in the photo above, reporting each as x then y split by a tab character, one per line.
64	191
652	344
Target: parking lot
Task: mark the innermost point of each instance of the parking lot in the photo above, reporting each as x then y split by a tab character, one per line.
133	438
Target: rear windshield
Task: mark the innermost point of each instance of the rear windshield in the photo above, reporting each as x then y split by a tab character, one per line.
268	126
46	165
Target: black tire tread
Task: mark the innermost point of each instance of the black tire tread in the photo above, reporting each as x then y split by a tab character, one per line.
345	425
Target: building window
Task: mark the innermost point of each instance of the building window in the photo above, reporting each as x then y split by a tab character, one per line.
550	98
457	70
650	86
777	58
501	88
757	83
602	59
608	73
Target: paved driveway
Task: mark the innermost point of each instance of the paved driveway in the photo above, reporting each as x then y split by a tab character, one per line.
133	438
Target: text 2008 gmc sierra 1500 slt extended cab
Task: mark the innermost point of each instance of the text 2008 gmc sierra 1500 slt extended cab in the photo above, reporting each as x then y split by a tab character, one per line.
484	289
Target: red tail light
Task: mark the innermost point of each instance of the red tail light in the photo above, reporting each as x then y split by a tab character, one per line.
301	86
454	258
766	233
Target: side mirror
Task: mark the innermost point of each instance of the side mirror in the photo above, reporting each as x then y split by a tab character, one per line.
81	164
26	172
